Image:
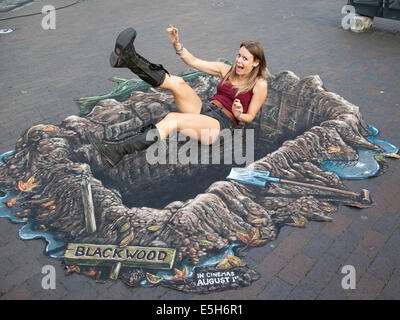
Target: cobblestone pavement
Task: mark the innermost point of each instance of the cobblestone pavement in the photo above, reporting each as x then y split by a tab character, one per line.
41	71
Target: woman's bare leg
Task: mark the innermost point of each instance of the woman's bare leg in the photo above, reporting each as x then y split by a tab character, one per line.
186	99
197	126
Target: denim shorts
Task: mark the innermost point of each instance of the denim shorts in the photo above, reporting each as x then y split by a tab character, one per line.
214	112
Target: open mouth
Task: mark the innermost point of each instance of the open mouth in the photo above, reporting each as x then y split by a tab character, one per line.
239	68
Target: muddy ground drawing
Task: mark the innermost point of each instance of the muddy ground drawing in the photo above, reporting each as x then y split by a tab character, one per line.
184	226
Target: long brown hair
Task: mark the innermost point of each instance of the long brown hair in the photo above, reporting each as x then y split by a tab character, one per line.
256	49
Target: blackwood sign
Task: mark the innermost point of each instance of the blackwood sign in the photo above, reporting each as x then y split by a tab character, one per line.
133	256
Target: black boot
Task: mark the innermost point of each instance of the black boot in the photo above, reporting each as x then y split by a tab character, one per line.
125	56
114	150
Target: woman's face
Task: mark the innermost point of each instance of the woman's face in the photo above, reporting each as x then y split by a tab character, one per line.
244	62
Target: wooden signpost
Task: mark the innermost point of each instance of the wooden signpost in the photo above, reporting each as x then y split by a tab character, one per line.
109	255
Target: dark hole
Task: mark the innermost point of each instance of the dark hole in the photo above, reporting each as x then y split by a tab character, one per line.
162	191
177	189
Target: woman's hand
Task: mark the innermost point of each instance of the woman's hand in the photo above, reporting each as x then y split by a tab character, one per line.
174	37
237	108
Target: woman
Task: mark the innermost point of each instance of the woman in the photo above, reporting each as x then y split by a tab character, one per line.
239	96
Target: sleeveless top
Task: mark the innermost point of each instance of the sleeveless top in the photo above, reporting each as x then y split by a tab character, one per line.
226	94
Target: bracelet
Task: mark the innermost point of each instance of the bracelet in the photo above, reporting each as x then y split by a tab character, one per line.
179	52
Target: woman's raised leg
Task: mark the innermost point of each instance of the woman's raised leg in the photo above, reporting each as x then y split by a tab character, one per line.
186	99
125	56
197	126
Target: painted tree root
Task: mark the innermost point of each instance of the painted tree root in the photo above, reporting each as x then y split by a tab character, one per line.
298	113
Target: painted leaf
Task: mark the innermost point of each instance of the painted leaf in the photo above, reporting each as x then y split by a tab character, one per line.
392	155
257	221
328	208
48	128
223	265
252	239
243	237
234	261
205	243
72	269
153	278
11	202
27	186
332	149
298	221
379	158
48	204
255	234
154	228
127	239
125	227
180	275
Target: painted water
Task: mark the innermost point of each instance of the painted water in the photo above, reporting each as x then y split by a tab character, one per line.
366	165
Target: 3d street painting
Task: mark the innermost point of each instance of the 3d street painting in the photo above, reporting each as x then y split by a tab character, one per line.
186	226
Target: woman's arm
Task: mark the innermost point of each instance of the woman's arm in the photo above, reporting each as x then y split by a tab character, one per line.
260	92
214	68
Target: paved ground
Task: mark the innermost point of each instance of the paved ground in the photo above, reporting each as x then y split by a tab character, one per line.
42	71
